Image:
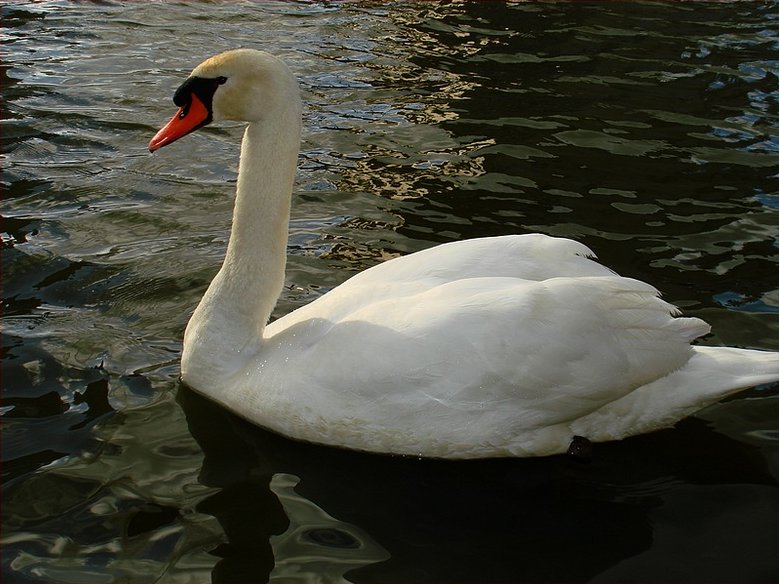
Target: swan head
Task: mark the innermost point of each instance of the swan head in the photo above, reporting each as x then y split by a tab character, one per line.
241	85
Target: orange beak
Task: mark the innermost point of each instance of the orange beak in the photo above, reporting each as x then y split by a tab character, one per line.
189	118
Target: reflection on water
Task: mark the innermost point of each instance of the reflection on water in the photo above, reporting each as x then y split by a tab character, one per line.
317	546
646	130
493	520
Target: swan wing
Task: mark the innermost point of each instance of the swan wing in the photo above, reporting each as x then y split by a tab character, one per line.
474	360
531	256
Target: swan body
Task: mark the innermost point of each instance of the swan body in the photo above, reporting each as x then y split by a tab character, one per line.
502	346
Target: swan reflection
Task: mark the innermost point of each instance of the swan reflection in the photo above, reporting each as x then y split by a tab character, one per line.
297	511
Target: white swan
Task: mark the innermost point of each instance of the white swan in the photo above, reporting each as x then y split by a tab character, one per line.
504	346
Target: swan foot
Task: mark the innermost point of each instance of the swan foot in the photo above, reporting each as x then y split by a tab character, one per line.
580	449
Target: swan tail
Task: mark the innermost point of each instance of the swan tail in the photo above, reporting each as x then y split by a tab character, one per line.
737	369
711	374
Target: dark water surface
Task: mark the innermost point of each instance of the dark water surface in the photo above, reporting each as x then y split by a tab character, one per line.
648	131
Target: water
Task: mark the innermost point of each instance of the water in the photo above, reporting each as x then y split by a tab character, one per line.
646	130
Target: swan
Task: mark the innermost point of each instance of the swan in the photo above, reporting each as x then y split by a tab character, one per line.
505	346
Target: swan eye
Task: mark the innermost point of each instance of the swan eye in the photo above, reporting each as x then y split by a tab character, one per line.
221	80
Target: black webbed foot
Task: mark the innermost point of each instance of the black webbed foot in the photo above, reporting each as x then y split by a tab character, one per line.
580	449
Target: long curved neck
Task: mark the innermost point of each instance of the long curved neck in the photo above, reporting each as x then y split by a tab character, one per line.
231	317
252	275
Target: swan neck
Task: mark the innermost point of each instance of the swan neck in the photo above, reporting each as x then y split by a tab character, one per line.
237	305
256	253
266	177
